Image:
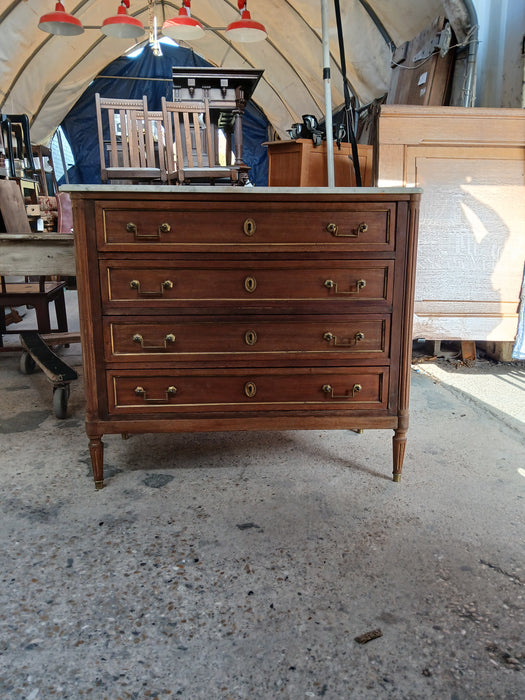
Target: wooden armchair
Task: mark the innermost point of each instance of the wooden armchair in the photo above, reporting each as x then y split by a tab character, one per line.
190	147
127	134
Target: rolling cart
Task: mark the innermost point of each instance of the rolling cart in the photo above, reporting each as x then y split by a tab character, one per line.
36	352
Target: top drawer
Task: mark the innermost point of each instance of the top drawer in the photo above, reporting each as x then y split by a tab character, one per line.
245	226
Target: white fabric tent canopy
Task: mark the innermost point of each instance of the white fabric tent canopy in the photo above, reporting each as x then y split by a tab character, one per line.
43	75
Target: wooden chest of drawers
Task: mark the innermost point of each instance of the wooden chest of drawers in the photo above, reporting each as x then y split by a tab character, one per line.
245	309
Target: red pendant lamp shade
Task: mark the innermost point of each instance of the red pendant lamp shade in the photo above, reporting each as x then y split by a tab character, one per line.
245	29
183	26
121	25
60	22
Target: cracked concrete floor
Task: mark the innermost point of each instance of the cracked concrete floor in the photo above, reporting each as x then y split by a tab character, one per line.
243	565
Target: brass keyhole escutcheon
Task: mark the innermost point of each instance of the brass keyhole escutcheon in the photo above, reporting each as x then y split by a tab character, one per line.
250	284
250	389
250	337
249	227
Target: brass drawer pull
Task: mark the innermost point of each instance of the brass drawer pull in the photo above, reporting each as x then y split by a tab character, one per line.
250	337
250	389
170	338
359	285
170	391
327	388
334	230
132	228
329	337
250	284
249	227
135	284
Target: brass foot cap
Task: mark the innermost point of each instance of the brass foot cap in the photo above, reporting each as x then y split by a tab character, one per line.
396	478
99	485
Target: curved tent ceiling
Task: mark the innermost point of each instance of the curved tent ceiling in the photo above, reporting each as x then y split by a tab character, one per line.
43	75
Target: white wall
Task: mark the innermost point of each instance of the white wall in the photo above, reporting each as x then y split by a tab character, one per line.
500	62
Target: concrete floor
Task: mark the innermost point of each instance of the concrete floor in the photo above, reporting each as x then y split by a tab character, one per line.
243	565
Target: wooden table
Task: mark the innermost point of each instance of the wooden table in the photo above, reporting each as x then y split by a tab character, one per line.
36	254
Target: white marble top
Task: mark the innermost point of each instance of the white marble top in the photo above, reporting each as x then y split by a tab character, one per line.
222	189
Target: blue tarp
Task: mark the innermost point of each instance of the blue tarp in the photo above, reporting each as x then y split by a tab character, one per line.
150	75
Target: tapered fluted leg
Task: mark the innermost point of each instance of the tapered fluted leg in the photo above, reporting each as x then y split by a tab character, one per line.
399	442
96	450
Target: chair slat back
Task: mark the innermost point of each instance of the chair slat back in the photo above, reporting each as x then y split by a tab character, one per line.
126	139
189	138
157	140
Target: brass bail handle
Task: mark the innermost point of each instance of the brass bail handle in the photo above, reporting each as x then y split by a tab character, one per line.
327	388
170	391
329	337
169	338
359	285
133	228
166	284
334	230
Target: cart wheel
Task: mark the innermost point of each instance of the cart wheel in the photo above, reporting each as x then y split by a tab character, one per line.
27	364
60	397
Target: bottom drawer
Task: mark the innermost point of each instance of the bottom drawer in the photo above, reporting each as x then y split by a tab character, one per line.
181	391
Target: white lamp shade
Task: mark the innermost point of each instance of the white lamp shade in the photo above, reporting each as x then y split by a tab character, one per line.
117	29
122	26
183	27
60	22
246	29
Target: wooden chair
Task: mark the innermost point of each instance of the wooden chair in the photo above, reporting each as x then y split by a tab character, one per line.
127	145
190	148
38	294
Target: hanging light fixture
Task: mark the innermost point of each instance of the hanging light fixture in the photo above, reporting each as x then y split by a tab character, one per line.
60	22
121	25
183	26
245	29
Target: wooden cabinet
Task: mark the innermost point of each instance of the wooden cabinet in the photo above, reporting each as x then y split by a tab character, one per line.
298	163
470	163
256	309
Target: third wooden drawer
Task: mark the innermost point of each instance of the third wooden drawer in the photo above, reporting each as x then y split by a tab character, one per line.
129	338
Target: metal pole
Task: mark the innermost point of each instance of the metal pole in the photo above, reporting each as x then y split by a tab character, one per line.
327	95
